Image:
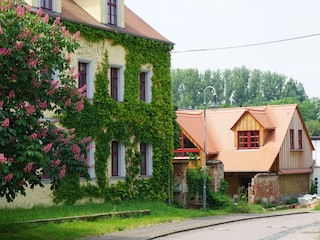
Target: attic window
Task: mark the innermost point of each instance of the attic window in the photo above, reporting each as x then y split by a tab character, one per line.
46	4
112	12
248	139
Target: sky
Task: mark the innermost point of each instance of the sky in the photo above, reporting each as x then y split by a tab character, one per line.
219	24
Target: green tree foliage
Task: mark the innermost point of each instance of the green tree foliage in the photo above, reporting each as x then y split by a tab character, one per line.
240	87
30	146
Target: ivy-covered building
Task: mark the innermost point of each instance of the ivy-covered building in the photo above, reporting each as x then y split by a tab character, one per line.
125	65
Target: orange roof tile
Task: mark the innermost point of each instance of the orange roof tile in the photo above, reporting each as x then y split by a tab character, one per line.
134	25
220	137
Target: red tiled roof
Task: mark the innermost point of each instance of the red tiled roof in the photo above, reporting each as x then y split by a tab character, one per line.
134	25
220	137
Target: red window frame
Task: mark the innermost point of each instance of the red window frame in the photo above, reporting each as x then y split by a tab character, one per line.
185	151
112	12
248	139
143	80
114	81
82	79
143	164
291	138
114	158
300	138
46	4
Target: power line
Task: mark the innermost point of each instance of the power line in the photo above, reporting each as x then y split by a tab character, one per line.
248	45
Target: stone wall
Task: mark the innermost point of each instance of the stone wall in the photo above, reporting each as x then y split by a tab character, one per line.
264	187
215	171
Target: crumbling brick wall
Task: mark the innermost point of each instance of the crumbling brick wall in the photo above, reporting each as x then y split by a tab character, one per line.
264	187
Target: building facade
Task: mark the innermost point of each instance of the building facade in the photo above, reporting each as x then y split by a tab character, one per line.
266	151
124	65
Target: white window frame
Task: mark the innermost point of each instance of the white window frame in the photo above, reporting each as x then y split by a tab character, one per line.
121	159
90	155
148	84
149	163
90	76
120	81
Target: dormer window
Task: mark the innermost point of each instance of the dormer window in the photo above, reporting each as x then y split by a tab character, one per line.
46	5
248	140
112	12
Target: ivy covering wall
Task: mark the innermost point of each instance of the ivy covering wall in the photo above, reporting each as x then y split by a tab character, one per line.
131	122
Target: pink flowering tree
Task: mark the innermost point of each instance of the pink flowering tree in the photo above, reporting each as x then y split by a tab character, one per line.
35	78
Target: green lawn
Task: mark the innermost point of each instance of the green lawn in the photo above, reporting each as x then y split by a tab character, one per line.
160	212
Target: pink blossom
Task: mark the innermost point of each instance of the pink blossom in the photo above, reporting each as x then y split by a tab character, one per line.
43	105
47	147
28	168
30	109
51	91
32	62
68	57
1	104
76	35
36	84
79	106
35	38
21	183
3	159
71	70
43	132
87	139
8	52
65	32
18	45
33	136
6	123
56	49
62	173
83	89
46	18
55	83
39	12
75	149
9	177
55	163
57	21
2	50
3	8
75	76
12	94
72	130
68	102
20	11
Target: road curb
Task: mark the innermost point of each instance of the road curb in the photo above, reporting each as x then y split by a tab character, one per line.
229	221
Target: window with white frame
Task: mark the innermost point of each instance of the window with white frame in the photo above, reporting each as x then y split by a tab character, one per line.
118	166
145	86
90	156
146	159
116	83
85	70
113	12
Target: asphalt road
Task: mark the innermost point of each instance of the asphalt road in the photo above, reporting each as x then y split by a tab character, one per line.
303	226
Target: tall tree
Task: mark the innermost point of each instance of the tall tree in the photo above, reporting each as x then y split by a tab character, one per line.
241	79
30	146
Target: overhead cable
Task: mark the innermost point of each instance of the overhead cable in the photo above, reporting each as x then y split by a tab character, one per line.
248	45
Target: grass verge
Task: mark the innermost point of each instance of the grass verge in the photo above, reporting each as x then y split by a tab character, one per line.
160	212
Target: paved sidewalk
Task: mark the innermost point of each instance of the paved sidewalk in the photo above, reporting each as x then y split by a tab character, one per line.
164	229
